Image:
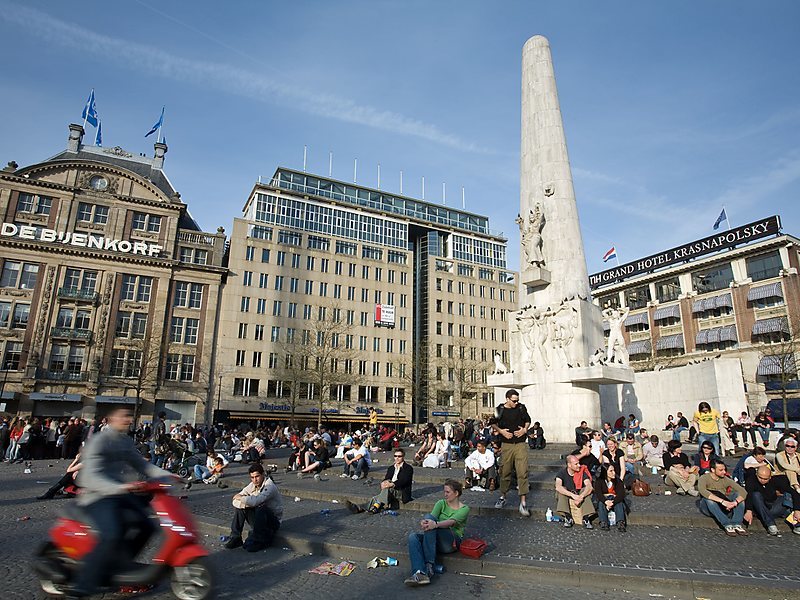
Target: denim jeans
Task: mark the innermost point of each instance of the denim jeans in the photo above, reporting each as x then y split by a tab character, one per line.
764	433
618	510
263	524
359	467
201	471
721	515
766	513
710	437
676	433
422	547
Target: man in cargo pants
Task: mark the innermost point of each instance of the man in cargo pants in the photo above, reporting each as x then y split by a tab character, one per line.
511	426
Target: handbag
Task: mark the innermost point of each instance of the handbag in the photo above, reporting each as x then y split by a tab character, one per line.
473	547
641	488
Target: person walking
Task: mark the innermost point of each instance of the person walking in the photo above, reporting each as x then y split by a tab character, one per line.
511	428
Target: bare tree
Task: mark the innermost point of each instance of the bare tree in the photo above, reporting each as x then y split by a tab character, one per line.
778	360
459	371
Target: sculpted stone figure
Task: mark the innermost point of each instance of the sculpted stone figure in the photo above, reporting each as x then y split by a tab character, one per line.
499	367
532	323
531	236
616	343
562	325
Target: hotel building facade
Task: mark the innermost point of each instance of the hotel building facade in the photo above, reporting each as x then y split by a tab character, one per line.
733	295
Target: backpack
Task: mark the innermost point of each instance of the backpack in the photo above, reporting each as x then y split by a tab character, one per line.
738	471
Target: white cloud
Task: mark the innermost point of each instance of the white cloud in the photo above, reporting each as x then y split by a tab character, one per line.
225	78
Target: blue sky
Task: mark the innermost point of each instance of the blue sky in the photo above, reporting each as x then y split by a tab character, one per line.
671	110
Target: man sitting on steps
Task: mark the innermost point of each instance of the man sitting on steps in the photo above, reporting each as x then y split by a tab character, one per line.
358	460
395	487
259	504
479	468
573	487
723	499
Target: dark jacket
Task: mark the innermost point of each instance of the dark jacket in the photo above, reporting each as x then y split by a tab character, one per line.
404	481
772	491
600	490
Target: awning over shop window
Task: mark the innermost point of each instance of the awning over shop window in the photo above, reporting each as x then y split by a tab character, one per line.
8	395
665	312
327	418
773	325
776	364
670	342
637	319
38	396
717	334
704	304
115	400
772	290
640	347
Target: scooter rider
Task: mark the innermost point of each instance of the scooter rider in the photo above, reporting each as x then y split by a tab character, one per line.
112	470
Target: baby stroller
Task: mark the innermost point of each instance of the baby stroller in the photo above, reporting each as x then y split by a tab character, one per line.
179	460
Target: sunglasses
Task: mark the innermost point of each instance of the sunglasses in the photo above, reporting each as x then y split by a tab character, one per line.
399	456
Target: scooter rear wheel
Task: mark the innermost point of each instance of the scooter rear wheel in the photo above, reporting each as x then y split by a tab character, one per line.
194	581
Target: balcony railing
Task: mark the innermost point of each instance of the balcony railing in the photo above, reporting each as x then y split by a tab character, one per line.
71	334
77	294
61	375
191	237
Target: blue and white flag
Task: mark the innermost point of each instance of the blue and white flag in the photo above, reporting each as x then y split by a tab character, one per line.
722	217
158	124
90	111
98	137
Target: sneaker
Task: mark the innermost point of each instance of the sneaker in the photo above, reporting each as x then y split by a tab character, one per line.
740	530
188	485
622	527
344	476
681	492
355	477
429	570
234	542
693	492
523	510
467	484
772	530
222	486
501	502
587	524
418	578
604	526
568	522
796	530
730	530
317	477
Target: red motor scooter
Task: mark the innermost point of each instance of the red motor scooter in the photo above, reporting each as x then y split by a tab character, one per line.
180	555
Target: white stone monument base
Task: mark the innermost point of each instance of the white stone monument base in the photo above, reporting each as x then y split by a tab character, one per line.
560	408
535	277
601	374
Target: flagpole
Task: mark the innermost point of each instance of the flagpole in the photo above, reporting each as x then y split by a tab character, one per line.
727	218
161	124
86	111
616	257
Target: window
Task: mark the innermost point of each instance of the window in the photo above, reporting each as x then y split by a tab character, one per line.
240	358
337	267
376	344
259	333
279	283
92	213
19	275
179	367
242	331
263	280
276	334
245	386
610	301
323	289
292	312
245	304
294	282
257	359
296	261
273	361
136	288
184	330
125	363
247	278
281	258
323	266
764	266
79	280
637	297
309	289
309	262
713	278
131	325
276	308
187	367
33	204
265	255
249	253
337	290
12	356
307	308
367	393
188	295
261	306
146	222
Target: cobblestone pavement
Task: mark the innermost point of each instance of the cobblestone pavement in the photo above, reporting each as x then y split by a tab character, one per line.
665	551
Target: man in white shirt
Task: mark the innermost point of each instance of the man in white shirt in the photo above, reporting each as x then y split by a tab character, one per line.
358	460
479	468
653	452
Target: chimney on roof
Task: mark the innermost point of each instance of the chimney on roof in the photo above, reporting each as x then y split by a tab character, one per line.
161	150
75	137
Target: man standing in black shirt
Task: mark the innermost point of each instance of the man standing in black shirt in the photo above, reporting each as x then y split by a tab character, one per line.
511	429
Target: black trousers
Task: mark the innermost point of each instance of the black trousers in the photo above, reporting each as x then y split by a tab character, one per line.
262	521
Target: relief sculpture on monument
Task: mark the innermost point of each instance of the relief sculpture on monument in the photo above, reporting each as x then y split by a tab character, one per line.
531	236
616	350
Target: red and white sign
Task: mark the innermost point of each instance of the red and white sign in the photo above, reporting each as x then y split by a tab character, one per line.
384	315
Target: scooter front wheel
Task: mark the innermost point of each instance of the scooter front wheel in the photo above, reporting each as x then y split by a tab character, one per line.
193	581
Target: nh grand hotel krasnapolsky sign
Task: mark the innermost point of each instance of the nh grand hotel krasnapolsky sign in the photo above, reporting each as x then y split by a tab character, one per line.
709	245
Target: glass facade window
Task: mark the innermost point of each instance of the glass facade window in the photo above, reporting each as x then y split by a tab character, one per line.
637	297
33	204
713	278
136	288
764	266
668	289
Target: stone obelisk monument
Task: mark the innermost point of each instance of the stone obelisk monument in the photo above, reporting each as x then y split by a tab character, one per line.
557	354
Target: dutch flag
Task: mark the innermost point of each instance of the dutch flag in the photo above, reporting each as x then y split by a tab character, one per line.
612	253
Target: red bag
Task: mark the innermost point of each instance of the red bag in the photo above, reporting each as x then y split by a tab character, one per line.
473	547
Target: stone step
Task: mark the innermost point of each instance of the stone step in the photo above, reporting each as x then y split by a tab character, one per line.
643	559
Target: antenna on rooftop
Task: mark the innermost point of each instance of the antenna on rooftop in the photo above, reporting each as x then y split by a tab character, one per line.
330	164
379	175
444	193
401	182
423	187
305	155
463	198
355	170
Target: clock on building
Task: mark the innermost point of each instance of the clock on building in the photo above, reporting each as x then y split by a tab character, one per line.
98	183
